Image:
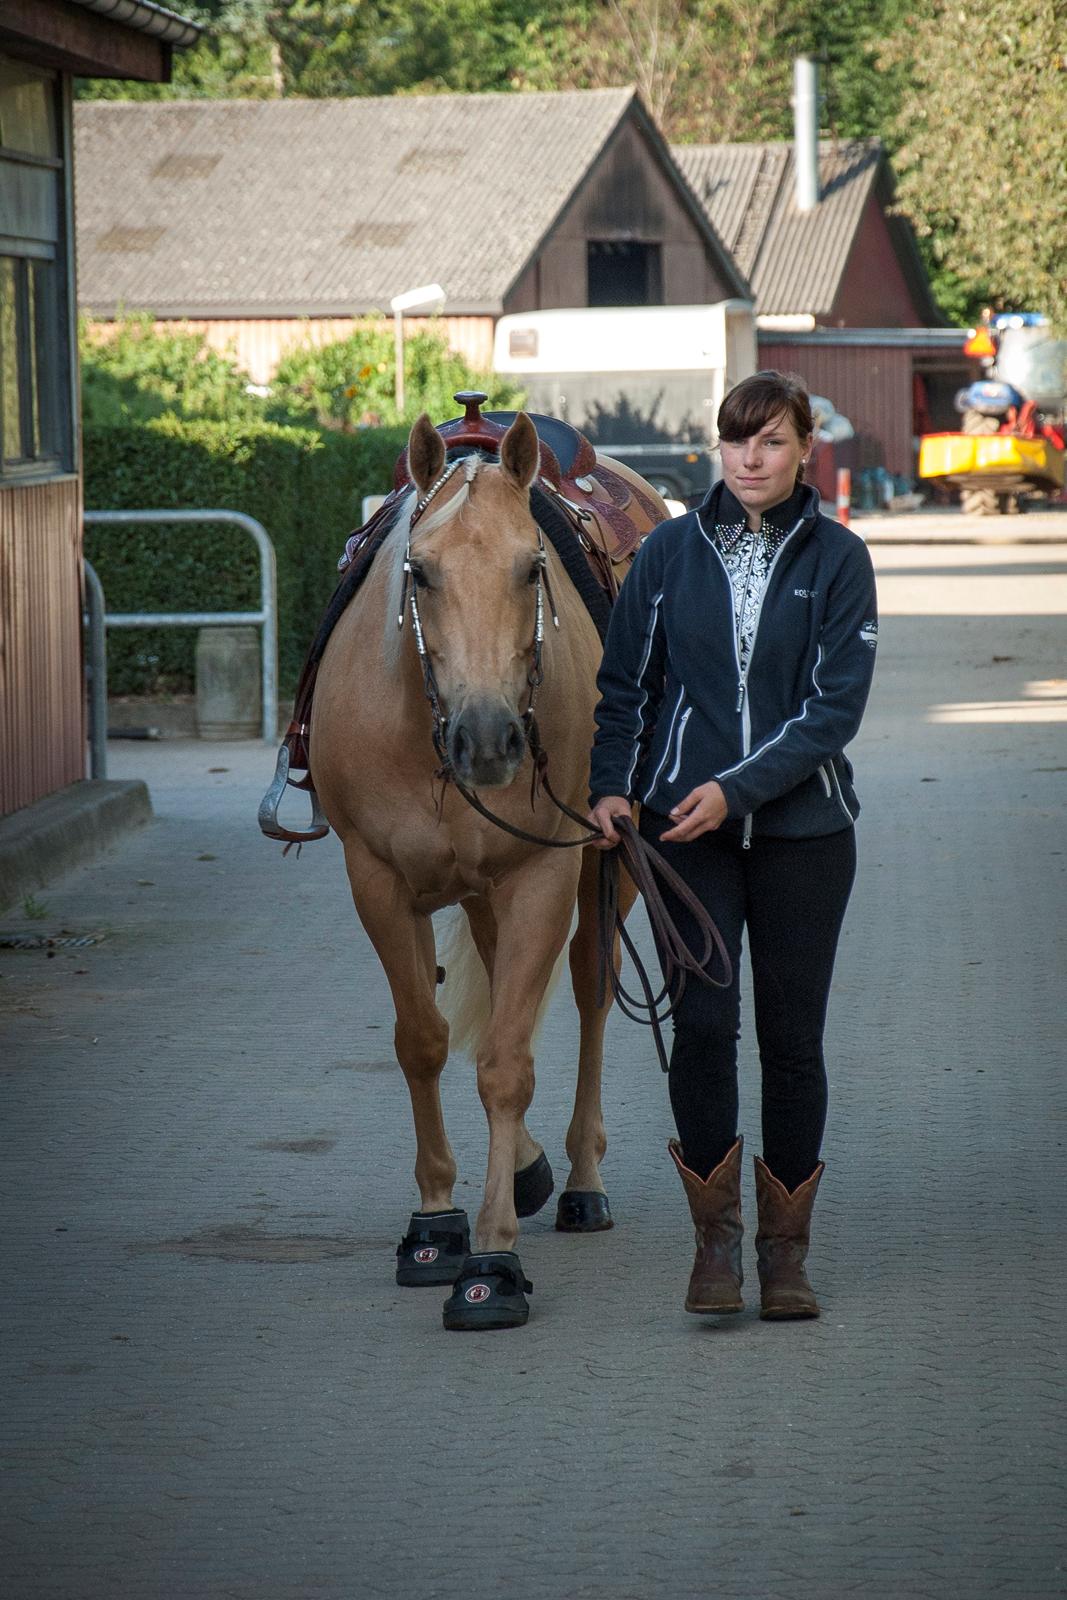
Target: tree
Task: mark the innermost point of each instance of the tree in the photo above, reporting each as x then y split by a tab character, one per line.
983	153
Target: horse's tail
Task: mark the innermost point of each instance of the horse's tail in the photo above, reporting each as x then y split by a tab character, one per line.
464	996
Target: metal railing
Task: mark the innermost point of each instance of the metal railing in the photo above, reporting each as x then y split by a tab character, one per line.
266	618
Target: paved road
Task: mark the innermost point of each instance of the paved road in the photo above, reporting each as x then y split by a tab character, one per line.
212	1388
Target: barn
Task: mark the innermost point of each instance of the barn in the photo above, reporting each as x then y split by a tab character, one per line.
840	290
268	223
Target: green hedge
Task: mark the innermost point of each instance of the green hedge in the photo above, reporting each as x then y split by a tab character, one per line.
305	487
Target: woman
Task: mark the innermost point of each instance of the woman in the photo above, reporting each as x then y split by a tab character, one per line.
736	669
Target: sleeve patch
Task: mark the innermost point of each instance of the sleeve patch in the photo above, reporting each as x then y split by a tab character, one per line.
869	634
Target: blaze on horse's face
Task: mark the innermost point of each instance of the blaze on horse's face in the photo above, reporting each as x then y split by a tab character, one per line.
475	567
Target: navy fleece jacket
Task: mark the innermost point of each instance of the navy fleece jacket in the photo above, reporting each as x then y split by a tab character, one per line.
676	710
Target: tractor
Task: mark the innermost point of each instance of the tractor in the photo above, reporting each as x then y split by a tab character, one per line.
1013	439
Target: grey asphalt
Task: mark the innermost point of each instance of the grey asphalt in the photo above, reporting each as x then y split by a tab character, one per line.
211	1386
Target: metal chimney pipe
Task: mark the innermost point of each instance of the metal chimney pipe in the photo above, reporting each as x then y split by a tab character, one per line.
806	131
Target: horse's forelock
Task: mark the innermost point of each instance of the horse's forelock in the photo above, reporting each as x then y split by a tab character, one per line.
394	549
395	545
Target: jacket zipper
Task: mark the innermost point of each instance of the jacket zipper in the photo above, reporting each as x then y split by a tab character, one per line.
742	684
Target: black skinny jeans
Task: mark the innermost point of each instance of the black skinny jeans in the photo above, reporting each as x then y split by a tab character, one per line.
791	895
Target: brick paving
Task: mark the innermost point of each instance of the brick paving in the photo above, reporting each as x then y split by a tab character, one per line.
212	1388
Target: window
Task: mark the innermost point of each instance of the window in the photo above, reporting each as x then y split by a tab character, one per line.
624	272
35	333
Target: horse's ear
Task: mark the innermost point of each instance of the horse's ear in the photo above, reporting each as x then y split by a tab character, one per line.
519	453
426	454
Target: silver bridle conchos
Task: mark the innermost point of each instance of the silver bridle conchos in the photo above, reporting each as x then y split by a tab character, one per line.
409	598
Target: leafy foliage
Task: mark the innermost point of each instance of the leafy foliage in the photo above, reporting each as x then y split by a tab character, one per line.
133	372
983	157
351	383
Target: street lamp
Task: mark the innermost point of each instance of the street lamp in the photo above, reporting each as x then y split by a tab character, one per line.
430	294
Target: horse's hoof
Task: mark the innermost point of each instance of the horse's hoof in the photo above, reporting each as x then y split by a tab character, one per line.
433	1250
583	1211
533	1186
490	1292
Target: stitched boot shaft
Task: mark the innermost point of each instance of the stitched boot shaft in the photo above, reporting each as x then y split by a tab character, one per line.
715	1201
782	1237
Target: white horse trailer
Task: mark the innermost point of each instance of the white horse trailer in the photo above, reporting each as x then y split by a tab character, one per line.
643	382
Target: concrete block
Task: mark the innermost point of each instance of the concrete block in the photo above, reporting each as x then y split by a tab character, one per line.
65	829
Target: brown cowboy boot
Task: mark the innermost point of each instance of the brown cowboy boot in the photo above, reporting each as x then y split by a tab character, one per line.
782	1236
715	1201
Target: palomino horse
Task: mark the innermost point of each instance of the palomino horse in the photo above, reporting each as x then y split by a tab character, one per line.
454	603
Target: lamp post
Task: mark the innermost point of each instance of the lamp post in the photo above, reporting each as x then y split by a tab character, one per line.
430	294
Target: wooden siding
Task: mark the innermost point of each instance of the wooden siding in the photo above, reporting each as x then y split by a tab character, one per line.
869	384
873	292
627	196
42	735
260	343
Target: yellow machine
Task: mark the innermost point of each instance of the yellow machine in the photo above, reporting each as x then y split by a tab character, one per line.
1011	446
1002	460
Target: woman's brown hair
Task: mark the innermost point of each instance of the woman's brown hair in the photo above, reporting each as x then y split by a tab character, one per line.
756	401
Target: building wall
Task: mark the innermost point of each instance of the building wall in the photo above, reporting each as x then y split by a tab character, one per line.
869	384
874	292
42	735
626	196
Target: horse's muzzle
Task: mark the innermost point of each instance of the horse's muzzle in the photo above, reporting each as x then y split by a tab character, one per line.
486	744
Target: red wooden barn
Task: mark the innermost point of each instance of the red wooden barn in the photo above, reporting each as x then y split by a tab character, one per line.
840	290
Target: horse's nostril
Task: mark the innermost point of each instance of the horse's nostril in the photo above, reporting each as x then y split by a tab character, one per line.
514	742
462	750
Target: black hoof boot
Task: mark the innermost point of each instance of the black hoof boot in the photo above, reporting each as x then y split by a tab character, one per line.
433	1250
533	1186
583	1211
490	1292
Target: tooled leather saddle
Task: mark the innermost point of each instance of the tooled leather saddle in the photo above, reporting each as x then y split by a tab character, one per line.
594	514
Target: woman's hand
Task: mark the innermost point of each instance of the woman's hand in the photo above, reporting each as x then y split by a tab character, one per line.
702	811
612	805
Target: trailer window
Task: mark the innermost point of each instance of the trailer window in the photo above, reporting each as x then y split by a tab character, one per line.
624	272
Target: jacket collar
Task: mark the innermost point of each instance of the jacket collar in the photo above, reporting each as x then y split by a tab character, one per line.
720	511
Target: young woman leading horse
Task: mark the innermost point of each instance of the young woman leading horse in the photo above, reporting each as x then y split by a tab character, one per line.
465	615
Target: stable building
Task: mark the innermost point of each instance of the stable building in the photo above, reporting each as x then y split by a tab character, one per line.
266	224
43	44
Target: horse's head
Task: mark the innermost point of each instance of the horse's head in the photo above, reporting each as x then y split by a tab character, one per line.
475	562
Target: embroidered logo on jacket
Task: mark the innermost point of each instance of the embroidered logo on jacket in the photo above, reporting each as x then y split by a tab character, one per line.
869	634
805	594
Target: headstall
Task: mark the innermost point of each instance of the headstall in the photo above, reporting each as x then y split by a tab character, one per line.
535	675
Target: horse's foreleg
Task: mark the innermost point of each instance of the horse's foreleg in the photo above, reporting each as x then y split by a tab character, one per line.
586	1136
404	942
532	911
484	933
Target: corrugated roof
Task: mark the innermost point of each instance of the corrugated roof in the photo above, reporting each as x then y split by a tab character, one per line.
793	259
148	17
318	207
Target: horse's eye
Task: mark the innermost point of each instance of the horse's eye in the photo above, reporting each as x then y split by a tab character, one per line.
418	575
536	571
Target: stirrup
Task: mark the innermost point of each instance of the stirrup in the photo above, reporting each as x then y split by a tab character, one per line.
267	815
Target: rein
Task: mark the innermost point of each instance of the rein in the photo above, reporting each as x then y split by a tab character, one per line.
643	863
